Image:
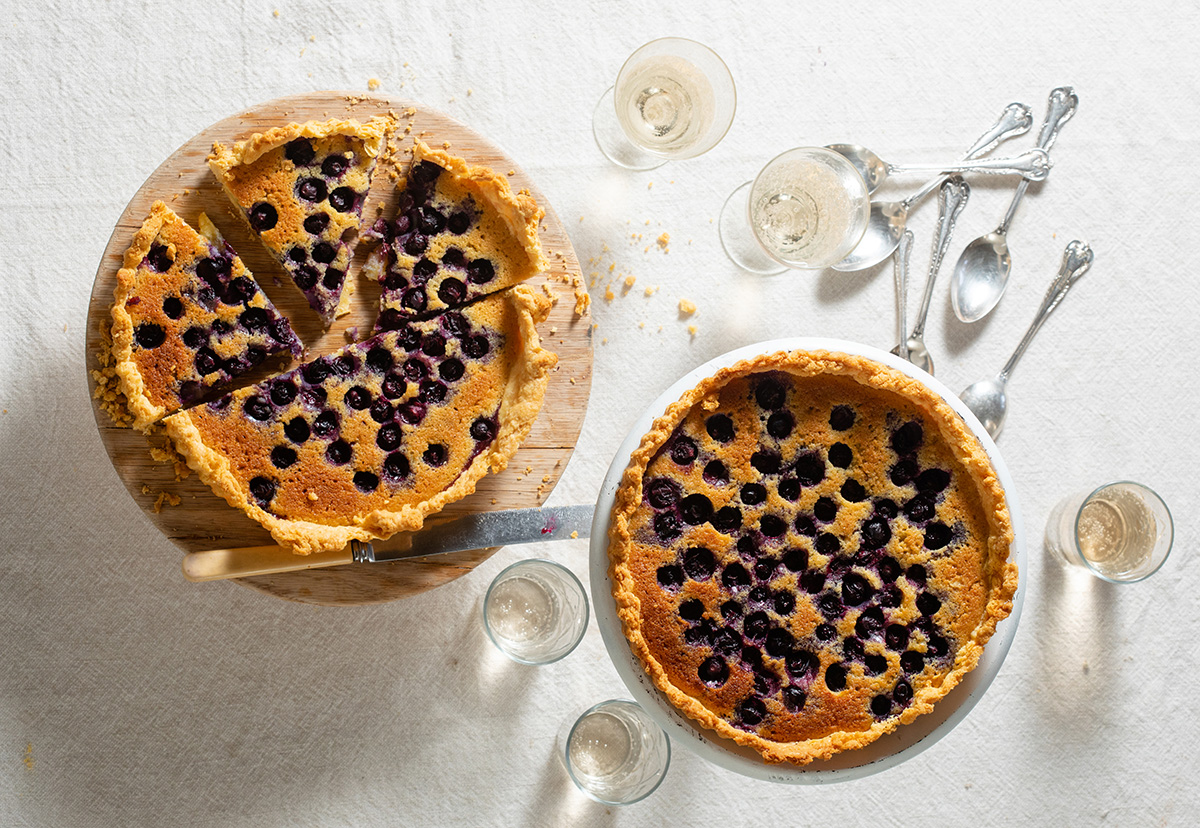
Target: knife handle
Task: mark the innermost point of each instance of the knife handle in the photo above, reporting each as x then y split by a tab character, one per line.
219	564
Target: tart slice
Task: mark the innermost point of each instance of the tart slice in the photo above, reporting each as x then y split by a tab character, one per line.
302	188
187	316
459	233
371	439
809	550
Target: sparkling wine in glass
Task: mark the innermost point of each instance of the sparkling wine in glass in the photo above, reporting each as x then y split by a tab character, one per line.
1121	532
674	98
806	210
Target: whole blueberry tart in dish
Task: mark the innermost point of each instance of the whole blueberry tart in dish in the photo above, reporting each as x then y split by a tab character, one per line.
808	550
187	317
459	233
302	188
369	440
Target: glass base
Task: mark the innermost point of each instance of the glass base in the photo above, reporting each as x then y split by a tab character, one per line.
611	139
737	236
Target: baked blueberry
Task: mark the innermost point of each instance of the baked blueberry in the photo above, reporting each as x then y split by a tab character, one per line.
719	427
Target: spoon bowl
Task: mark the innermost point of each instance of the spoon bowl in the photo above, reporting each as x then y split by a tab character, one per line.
980	276
988	401
870	166
918	354
885	226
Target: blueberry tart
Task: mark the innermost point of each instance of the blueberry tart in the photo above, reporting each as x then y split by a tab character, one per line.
808	550
187	317
369	440
459	233
302	188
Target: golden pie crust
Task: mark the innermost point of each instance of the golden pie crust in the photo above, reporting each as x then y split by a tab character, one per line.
796	636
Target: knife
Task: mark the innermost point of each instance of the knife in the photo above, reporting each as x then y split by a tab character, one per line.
478	531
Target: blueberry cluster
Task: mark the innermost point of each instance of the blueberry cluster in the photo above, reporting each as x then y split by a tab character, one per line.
778	557
319	263
215	306
386	386
422	260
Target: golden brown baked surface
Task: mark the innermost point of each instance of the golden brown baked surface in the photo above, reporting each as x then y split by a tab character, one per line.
187	316
371	439
302	188
460	232
808	550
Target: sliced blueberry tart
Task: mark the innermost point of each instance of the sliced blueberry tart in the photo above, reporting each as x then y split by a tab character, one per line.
369	440
808	550
459	233
187	317
302	188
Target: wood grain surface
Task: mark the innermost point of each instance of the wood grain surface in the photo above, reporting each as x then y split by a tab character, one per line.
204	521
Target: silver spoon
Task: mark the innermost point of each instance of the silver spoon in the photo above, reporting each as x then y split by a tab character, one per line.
900	261
952	198
987	398
1033	165
887	220
983	268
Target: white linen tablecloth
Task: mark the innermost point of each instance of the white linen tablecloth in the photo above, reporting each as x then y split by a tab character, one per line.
132	698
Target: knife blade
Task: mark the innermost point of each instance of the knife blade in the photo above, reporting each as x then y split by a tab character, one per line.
482	530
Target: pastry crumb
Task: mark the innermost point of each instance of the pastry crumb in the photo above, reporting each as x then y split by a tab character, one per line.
373	84
663	241
687	307
166	454
629	281
575	535
314	497
608	293
692	331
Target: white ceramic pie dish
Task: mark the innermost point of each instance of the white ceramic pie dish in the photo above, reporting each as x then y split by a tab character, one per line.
888	751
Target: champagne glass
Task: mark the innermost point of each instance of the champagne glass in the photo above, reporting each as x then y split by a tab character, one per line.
806	210
674	98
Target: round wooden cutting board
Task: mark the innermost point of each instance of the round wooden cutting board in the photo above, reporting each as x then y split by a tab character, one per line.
204	521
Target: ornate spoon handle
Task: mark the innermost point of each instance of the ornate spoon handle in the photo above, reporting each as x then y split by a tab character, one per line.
1033	165
1016	119
1077	258
1059	108
900	263
952	198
